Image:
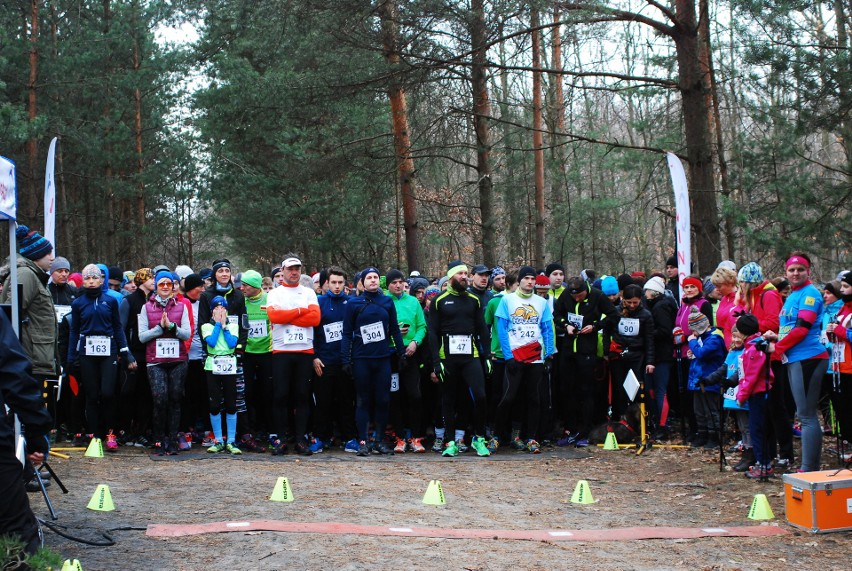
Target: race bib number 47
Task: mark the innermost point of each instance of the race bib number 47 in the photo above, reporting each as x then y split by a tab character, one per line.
460	345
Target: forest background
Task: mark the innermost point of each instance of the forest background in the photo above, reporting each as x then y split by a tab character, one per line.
408	133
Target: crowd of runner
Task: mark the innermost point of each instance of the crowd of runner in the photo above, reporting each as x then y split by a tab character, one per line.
479	358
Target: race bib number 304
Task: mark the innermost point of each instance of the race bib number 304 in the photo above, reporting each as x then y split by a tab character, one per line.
372	333
98	345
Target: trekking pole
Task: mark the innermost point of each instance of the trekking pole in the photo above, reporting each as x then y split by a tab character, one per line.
764	474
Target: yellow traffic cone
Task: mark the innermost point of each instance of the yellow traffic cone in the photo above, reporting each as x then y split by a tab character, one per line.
70	565
611	443
101	500
434	495
95	449
282	491
582	493
760	509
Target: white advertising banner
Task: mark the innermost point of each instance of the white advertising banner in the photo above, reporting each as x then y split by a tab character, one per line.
682	224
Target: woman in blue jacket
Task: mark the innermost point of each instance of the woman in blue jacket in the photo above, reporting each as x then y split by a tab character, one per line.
369	324
95	341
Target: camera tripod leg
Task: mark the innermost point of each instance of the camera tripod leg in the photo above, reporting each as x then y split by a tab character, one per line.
41	485
53	475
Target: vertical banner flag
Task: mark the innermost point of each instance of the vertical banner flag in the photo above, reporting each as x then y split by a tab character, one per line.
682	224
8	195
50	197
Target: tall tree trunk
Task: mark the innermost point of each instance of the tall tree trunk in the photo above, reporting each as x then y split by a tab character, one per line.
515	214
108	218
28	206
402	140
538	141
139	249
559	192
693	84
481	114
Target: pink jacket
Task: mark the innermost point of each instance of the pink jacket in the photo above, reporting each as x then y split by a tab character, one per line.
753	371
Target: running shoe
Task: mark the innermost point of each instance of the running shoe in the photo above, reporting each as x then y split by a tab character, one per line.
189	437
316	446
438	445
279	447
232	448
797	430
532	447
400	446
567	440
381	448
493	445
142	442
160	448
416	445
249	444
111	442
215	448
451	449
303	448
581	442
351	446
517	443
363	449
462	446
182	442
478	444
209	440
757	472
123	438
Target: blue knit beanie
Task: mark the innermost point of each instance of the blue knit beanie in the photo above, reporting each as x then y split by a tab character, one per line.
31	244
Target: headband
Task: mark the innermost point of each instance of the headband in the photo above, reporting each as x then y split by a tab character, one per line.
456	269
797	260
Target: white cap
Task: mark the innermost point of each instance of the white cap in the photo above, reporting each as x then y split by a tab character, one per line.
290	262
414	274
656	284
183	271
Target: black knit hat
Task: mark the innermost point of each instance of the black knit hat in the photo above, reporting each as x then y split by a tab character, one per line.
747	324
31	244
116	273
624	280
672	261
393	275
525	271
552	267
192	281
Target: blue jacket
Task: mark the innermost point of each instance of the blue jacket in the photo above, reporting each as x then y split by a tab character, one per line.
709	351
112	293
95	316
362	312
332	311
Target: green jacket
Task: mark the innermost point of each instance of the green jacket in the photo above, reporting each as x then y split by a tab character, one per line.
491	321
409	312
39	330
258	322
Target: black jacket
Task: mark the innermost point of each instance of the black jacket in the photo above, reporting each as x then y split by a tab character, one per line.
594	311
236	307
21	392
664	311
637	345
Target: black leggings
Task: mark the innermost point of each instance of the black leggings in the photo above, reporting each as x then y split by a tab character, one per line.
334	393
257	371
407	402
460	372
291	388
100	375
526	377
222	393
167	383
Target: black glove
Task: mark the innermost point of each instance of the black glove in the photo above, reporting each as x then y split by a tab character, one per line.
40	443
512	366
401	362
440	371
548	365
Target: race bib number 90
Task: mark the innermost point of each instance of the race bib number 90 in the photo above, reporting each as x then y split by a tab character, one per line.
372	333
98	345
628	326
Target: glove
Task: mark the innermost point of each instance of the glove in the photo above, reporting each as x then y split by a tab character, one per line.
347	369
401	362
440	371
548	365
489	367
38	444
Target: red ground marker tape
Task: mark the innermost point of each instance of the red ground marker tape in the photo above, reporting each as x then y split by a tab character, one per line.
331	528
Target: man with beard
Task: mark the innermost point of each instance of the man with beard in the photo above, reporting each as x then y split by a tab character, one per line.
456	329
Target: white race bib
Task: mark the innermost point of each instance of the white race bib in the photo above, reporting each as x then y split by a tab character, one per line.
61	311
257	328
98	345
731	393
333	331
372	333
628	326
460	345
525	333
224	365
575	320
294	334
233	320
394	382
167	348
838	351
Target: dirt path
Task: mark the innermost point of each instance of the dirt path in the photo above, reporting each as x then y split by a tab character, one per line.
511	491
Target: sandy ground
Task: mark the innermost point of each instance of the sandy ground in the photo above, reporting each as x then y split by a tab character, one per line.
514	491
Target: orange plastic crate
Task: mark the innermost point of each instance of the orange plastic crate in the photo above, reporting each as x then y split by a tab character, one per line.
819	502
